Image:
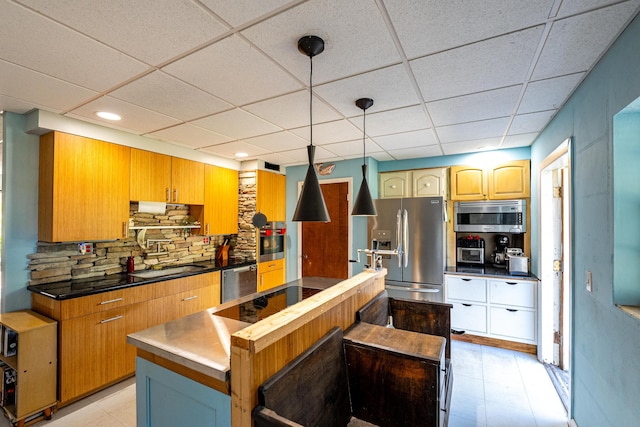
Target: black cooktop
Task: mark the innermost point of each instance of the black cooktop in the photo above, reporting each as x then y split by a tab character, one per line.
254	310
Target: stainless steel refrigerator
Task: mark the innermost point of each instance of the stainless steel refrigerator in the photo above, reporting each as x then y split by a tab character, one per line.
416	227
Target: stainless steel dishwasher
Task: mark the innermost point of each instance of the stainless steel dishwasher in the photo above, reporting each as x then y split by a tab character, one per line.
238	282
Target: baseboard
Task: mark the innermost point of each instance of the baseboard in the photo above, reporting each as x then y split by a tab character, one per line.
494	342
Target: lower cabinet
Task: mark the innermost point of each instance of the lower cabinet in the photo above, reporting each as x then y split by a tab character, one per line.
92	330
270	274
492	307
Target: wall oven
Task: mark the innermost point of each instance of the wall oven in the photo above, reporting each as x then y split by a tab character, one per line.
271	241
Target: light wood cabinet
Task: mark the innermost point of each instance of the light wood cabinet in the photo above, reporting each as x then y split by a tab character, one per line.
92	330
160	178
506	181
430	182
34	364
271	274
83	189
271	195
221	201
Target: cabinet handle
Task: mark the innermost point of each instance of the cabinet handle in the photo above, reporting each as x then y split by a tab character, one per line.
111	301
111	319
190	298
168	195
513	310
175	195
125	228
466	305
207	229
511	283
466	280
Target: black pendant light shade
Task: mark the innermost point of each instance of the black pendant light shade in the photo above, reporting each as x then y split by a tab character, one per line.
364	204
311	206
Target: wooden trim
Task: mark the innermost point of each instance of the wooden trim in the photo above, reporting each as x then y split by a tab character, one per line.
495	342
221	386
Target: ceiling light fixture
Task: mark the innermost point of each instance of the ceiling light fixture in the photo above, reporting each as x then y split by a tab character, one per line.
241	154
364	205
311	206
108	116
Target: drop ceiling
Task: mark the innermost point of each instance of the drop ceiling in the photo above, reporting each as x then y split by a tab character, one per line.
219	76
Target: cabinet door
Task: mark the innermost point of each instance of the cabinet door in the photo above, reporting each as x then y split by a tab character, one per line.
510	180
513	324
221	200
83	189
271	195
429	182
469	317
513	293
468	183
465	288
150	176
187	181
394	185
94	350
270	274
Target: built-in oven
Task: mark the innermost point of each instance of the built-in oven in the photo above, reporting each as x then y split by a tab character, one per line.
271	241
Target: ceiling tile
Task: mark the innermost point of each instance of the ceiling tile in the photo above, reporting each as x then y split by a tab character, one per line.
572	7
474	130
382	156
416	152
279	141
356	38
292	110
389	88
474	107
393	121
135	119
230	149
429	26
490	64
471	146
167	95
143	32
522	140
531	122
548	94
406	140
235	71
327	133
580	40
48	92
238	12
14	105
300	155
191	136
352	149
237	124
50	48
280	159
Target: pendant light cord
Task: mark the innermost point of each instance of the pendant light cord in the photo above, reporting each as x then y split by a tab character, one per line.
364	134
311	101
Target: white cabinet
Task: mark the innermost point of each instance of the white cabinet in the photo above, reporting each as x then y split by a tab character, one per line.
414	183
493	307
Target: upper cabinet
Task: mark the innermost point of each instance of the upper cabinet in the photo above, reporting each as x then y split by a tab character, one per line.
506	181
271	195
160	178
83	189
413	183
221	200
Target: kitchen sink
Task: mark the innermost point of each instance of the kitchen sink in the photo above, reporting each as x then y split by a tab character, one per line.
148	274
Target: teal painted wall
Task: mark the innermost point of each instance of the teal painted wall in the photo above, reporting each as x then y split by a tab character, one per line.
20	210
606	341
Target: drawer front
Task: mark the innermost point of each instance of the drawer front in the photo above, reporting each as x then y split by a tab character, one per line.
90	304
183	284
196	300
267	266
466	288
469	317
513	293
513	324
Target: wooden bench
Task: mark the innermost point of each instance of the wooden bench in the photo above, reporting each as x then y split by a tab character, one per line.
311	390
423	317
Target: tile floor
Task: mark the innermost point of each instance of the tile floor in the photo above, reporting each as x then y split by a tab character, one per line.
491	388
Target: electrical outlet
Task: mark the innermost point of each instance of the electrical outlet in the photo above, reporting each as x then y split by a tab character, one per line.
205	240
588	282
85	248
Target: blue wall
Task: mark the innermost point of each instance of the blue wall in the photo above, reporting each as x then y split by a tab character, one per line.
606	340
20	210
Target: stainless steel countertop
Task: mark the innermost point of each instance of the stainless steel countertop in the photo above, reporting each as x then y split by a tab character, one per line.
202	341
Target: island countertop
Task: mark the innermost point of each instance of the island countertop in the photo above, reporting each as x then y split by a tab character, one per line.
201	341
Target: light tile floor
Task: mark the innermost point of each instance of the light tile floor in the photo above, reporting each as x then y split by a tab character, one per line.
492	387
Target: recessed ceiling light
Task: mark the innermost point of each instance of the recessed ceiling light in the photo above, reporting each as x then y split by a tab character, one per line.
108	116
241	154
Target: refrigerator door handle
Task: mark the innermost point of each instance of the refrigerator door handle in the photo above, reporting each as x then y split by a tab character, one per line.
405	238
398	236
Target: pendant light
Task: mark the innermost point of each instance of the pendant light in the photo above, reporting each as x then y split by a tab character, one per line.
311	206
364	205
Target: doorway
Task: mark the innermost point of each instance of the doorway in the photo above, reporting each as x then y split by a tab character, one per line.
554	349
325	246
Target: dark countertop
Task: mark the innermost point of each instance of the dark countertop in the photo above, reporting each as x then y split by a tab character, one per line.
488	271
83	287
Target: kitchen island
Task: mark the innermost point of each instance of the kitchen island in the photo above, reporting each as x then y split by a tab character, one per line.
211	363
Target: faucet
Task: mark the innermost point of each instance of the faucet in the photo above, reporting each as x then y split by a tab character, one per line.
157	243
375	255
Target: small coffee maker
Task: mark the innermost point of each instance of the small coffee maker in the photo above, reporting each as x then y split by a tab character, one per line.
500	253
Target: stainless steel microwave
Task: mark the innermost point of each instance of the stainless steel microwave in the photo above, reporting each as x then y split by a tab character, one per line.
491	216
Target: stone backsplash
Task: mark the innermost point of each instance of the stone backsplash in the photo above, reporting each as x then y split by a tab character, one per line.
246	244
55	262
